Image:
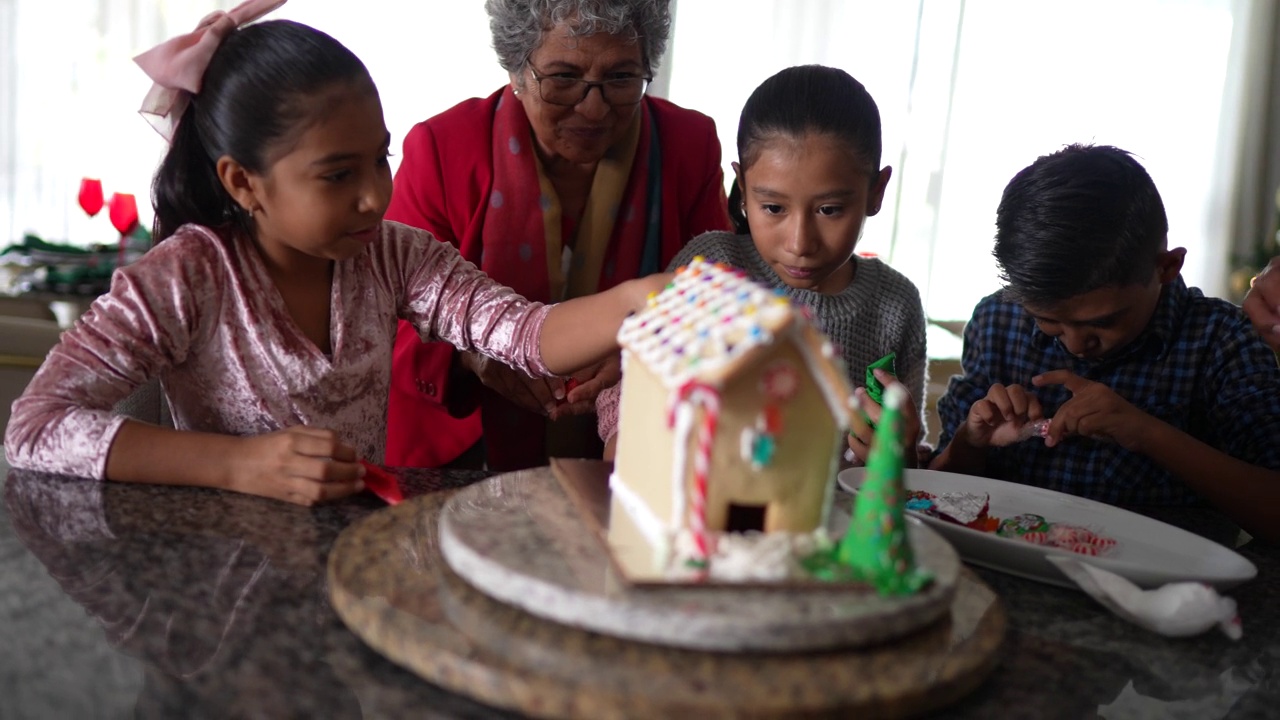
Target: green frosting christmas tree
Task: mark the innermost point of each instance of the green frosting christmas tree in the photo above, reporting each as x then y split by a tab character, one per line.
876	548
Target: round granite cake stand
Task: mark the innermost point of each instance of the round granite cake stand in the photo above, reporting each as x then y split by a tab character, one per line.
533	540
391	586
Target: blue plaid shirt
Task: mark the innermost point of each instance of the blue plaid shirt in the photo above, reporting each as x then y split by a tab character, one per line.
1198	366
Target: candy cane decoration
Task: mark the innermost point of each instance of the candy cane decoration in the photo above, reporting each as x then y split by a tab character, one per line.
697	393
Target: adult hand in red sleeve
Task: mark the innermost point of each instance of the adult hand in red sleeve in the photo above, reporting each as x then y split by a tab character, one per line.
538	395
585	385
1263	304
1095	411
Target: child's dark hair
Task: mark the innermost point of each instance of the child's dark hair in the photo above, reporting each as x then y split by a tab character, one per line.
807	99
252	97
1083	218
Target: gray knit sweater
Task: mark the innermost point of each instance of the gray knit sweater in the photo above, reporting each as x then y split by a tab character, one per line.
878	313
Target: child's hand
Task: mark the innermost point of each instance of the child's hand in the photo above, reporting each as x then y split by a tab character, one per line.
302	465
861	434
1263	304
1094	410
537	395
998	419
581	392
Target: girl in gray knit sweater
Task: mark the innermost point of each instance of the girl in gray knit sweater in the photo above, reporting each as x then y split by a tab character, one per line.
807	178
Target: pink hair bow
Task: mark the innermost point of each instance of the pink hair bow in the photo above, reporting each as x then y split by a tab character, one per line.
177	65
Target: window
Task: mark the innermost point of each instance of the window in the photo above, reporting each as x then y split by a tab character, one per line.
69	99
970	92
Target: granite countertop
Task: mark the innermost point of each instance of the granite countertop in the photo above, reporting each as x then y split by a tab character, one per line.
119	600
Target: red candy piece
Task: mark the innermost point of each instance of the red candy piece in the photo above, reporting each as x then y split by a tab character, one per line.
569	385
1102	543
985	523
382	483
1083	549
1036	537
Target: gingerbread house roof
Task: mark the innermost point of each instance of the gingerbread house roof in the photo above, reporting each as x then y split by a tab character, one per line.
712	321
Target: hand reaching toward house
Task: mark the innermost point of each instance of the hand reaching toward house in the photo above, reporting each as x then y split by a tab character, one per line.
861	434
1263	304
585	385
537	395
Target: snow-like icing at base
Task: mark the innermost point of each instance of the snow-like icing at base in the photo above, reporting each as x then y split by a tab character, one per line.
748	557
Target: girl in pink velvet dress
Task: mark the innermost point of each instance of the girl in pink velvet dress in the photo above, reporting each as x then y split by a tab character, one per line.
269	310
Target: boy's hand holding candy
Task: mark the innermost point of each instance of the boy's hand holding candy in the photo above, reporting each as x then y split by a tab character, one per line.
1095	411
1007	415
1001	418
581	390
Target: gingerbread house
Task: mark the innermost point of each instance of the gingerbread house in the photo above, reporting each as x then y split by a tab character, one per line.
732	418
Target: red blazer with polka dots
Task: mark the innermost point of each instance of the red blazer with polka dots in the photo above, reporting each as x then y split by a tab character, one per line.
443	186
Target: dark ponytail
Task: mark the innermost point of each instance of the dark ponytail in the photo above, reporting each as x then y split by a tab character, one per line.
186	188
252	98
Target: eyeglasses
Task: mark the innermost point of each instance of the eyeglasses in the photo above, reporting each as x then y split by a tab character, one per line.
569	91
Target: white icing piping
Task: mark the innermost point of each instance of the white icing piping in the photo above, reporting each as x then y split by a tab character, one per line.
650	526
894	396
680	459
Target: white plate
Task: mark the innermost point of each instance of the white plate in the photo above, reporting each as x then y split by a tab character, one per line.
1147	551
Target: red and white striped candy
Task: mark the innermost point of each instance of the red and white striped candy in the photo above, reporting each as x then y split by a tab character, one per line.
1083	549
1036	537
696	394
1102	542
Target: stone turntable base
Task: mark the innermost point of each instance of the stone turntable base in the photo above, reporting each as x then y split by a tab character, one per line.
538	544
390	584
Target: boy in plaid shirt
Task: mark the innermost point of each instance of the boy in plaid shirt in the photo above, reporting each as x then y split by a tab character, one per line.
1156	393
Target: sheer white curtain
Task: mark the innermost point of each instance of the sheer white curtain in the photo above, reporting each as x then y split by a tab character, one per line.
69	91
971	91
68	108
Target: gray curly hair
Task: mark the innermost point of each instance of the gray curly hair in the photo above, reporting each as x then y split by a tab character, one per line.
518	26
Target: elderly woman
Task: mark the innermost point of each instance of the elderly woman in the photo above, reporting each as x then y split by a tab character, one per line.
563	183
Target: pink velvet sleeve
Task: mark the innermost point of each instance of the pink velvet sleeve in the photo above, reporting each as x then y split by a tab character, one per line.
63	422
450	299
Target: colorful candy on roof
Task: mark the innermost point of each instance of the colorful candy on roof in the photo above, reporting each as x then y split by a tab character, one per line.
708	320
